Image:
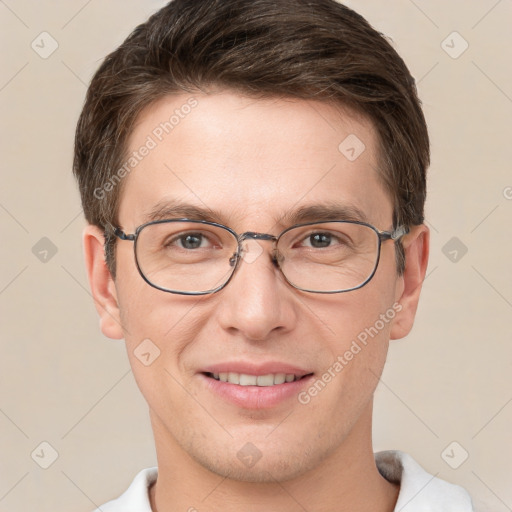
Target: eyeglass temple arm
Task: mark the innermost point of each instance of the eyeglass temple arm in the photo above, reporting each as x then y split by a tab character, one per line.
122	235
396	234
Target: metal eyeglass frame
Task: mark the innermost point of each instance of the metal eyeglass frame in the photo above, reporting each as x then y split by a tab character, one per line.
234	261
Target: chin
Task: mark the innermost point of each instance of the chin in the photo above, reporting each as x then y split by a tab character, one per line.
263	471
261	462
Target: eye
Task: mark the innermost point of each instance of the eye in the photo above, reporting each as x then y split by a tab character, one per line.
188	241
323	239
318	240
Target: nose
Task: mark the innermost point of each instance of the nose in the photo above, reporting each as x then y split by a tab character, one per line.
257	302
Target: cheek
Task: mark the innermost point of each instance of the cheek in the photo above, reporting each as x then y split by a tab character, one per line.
163	323
142	307
169	321
360	315
155	328
359	324
158	335
357	353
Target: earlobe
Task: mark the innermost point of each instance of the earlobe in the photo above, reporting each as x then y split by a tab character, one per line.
101	283
416	246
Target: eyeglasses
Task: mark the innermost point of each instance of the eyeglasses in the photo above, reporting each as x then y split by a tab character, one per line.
196	257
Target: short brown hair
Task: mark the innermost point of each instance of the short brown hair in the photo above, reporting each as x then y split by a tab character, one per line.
303	49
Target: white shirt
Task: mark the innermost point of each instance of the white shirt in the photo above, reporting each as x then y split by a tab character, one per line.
419	491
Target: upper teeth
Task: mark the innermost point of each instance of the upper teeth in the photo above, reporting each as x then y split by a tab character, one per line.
244	379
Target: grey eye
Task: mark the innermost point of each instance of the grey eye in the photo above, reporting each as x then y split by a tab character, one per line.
320	240
191	241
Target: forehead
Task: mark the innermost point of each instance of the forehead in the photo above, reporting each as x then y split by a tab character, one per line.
244	158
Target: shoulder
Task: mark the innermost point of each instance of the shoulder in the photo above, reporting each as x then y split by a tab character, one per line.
136	497
420	491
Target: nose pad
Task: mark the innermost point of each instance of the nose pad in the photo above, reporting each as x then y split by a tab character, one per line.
250	256
277	258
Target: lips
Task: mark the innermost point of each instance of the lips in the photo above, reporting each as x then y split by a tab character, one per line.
255	386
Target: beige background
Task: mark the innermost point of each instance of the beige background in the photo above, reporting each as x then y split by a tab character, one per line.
64	383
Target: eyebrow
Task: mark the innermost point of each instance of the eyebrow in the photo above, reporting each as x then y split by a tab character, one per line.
321	212
169	209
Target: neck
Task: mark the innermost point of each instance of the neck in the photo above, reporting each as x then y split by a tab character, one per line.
346	480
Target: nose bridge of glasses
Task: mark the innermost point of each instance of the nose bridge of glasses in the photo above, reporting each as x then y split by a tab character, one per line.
254	253
256	236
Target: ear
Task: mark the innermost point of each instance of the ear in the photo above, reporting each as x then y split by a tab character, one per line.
102	285
416	245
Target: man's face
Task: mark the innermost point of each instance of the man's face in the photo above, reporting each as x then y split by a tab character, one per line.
252	162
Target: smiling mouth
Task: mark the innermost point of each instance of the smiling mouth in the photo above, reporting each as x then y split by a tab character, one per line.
244	379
